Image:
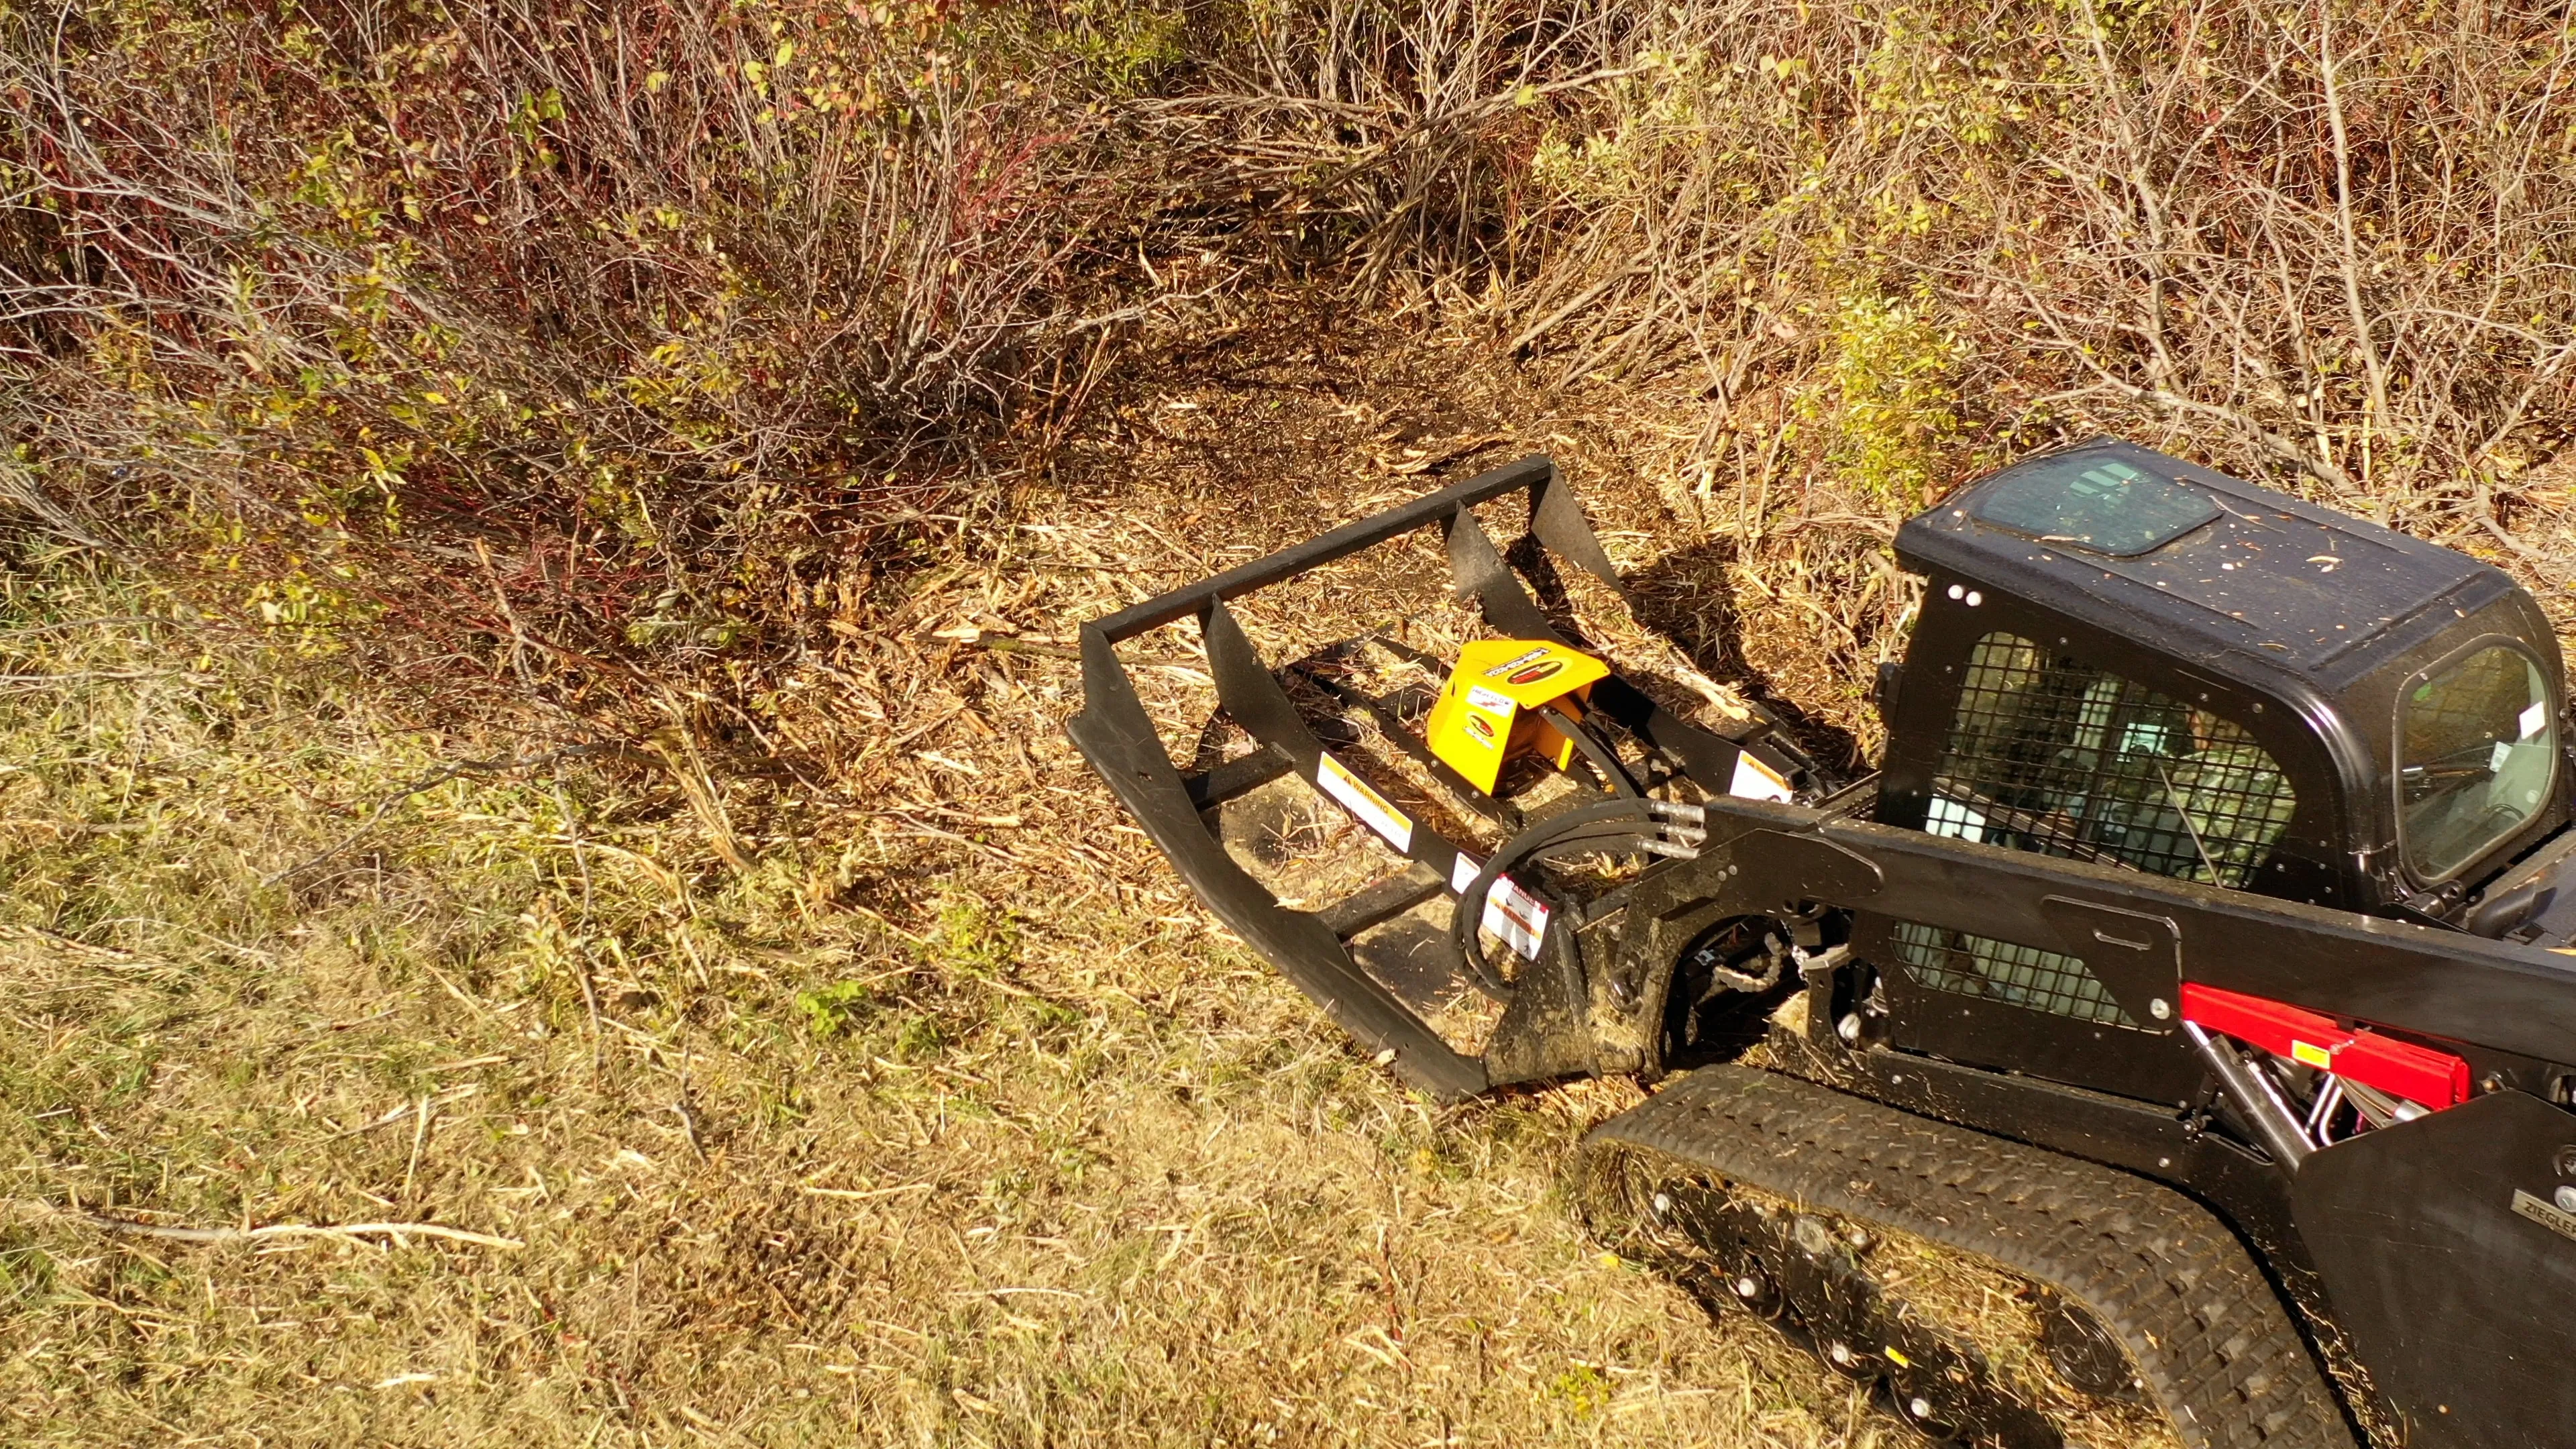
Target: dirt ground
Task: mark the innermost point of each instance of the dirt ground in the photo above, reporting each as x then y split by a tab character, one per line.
651	1097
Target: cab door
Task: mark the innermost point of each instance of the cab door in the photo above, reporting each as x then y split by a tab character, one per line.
2024	735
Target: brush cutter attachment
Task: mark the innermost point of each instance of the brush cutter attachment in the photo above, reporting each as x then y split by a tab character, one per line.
1531	705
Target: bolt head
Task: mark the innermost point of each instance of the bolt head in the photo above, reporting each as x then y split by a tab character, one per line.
2160	1009
1663	1204
1811	1236
2566	1197
1839	1352
1919	1406
1748	1287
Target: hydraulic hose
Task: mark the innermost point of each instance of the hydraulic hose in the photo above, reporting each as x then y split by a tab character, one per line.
1614	776
1623	826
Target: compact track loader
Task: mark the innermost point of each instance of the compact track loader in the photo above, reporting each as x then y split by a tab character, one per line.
2170	1044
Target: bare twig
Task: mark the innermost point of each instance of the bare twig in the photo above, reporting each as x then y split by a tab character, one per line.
442	775
351	1231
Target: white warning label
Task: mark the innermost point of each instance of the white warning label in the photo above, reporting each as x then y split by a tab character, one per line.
1516	916
1335	780
1462	873
1755	780
1511	913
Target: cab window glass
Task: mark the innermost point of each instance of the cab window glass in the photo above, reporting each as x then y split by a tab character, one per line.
2107	507
2476	748
2051	754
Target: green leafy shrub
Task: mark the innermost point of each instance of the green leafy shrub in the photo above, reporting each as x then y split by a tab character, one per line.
833	1010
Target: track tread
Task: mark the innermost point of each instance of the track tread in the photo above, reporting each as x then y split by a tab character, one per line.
2210	1337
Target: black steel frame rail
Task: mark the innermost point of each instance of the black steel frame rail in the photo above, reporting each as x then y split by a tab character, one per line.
1536	473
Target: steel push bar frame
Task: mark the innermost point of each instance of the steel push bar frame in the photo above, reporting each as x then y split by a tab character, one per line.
1310	948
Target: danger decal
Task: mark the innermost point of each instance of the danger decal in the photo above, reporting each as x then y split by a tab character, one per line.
1514	915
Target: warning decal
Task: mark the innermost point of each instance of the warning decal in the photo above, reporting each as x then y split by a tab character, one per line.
1755	780
1515	915
1511	913
1335	780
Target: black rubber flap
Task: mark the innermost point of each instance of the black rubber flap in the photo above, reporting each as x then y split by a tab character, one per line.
2456	1291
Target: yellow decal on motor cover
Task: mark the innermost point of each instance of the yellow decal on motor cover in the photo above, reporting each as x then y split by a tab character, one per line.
1529	673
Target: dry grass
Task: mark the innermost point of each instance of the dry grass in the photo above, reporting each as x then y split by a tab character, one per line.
901	1096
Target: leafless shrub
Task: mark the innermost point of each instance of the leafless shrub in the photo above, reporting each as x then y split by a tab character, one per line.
2330	240
607	318
625	293
1858	252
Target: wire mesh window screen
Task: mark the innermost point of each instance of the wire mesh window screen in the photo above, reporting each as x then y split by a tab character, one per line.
1970	965
2048	753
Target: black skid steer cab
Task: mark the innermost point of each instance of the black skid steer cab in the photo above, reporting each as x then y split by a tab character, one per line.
2171	1043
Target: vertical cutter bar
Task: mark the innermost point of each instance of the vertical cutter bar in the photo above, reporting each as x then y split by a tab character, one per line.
1250	693
1557	520
1480	576
1116	735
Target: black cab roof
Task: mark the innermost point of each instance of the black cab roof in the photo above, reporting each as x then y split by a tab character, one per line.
2242	579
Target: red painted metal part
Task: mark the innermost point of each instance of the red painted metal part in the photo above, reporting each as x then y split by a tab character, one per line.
2436	1079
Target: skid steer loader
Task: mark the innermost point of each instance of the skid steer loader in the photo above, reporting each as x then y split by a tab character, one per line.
2171	1043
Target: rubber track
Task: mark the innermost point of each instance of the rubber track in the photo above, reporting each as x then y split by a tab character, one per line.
2207	1332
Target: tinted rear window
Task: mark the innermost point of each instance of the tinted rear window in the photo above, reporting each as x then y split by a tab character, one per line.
2094	503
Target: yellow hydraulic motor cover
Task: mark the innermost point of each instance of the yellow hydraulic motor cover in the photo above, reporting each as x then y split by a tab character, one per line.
1489	712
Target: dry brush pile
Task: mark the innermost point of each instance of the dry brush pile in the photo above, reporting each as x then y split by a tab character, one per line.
650	340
